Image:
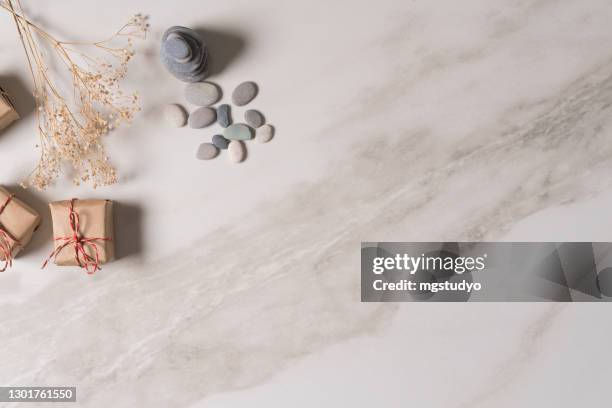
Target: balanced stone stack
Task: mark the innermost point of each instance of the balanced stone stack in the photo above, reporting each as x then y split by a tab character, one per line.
184	54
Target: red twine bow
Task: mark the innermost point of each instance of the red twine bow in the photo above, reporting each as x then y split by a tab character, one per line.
83	259
6	249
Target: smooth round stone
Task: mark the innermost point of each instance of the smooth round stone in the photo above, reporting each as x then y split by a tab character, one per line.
244	93
264	134
202	117
175	115
207	151
220	142
238	131
254	118
237	151
224	115
178	48
202	93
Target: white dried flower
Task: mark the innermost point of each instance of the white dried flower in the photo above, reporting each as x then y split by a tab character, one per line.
71	128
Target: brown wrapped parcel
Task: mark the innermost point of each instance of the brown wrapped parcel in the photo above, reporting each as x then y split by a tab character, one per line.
83	233
8	114
17	224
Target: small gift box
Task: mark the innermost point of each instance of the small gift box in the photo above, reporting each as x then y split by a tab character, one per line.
17	224
83	233
8	114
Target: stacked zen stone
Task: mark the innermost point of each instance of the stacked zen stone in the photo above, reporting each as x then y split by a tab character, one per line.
184	54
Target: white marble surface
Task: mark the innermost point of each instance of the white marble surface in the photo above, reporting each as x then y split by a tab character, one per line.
396	120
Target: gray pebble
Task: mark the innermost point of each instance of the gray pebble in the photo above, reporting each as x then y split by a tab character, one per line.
175	115
202	93
178	48
237	151
184	54
238	131
202	117
264	134
220	142
244	93
207	151
224	115
254	118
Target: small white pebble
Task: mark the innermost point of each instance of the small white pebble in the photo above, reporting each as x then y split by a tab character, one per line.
264	134
237	151
175	115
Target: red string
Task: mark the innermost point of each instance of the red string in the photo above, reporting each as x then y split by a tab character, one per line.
6	249
83	259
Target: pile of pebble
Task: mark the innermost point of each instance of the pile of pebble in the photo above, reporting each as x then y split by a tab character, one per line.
185	55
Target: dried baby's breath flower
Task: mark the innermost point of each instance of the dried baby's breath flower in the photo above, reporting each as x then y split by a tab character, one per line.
71	128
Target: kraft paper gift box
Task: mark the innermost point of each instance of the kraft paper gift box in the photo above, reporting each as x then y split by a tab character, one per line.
8	114
92	222
18	221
